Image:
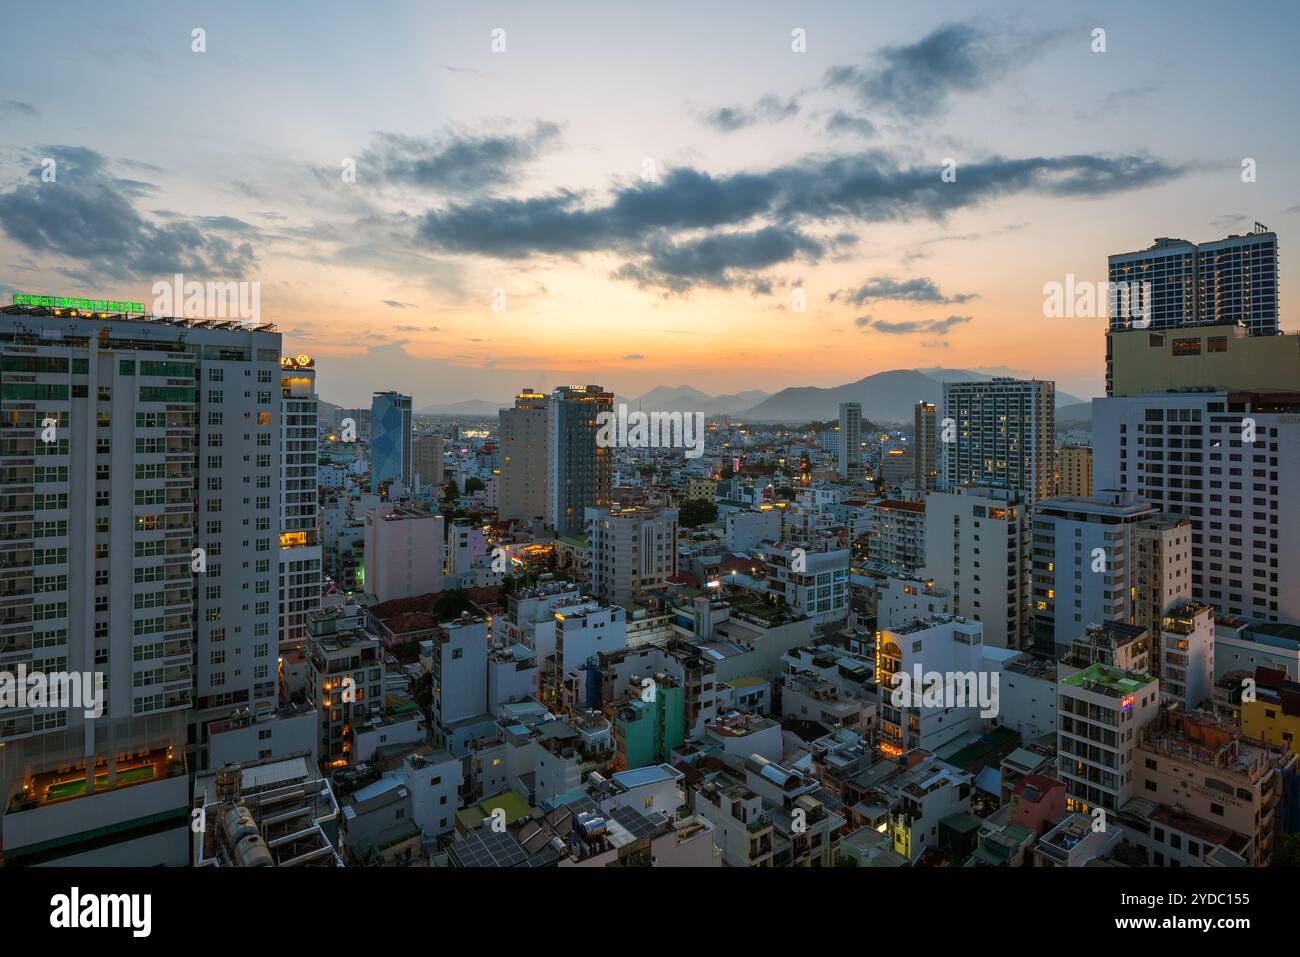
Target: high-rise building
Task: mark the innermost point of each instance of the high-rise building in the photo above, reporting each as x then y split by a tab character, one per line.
1226	461
850	445
141	474
896	534
1232	281
1005	435
976	548
390	440
581	471
1075	471
426	453
345	672
1096	710
632	550
301	560
404	552
925	453
525	460
896	466
1086	565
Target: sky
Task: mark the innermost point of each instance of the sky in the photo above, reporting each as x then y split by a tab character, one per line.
460	200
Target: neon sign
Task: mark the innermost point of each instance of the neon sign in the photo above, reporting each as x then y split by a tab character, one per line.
76	302
1127	702
297	362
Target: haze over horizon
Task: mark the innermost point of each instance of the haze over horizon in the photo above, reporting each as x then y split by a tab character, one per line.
647	191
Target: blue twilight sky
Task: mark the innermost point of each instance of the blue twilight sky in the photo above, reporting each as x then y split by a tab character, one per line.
648	184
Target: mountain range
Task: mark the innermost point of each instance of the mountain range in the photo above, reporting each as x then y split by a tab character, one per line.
682	398
885	397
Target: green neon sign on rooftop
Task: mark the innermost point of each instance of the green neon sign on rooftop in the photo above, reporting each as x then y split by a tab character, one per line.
78	303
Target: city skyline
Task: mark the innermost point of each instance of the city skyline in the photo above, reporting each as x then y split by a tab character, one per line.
526	170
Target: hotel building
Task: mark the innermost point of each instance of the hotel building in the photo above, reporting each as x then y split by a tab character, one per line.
138	543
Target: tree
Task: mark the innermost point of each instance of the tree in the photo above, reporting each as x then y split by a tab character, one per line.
508	585
422	692
450	492
473	484
452	603
695	512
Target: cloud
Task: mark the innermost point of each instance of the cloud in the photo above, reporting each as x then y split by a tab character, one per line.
866	187
692	228
922	289
89	216
862	321
18	107
634	357
455	162
768	109
929	327
395	304
916	80
846	123
720	260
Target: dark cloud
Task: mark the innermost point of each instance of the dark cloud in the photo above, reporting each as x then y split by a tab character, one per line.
915	80
773	208
846	123
866	187
17	106
720	260
862	321
226	224
395	304
768	109
929	327
455	162
88	215
884	288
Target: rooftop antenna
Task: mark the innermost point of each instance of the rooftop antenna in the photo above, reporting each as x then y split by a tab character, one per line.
1260	227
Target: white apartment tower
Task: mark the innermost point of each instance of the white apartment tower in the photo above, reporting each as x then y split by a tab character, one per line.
138	544
850	446
1188	453
925	455
1004	435
977	549
300	565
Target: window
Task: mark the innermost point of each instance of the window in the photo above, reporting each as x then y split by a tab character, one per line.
1187	347
1216	344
